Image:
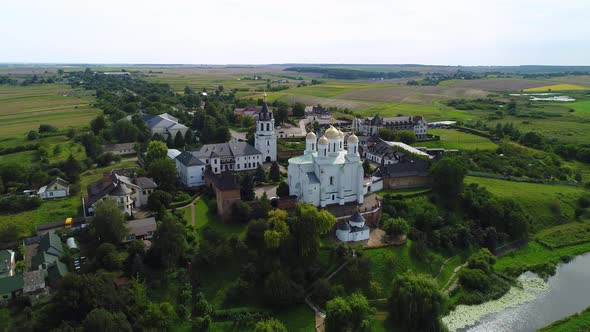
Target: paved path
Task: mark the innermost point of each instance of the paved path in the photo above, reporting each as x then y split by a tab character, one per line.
454	284
193	213
270	190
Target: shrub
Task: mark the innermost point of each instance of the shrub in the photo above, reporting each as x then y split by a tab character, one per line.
474	279
18	203
32	135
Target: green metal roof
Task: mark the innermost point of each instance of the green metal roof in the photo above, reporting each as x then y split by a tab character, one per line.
56	271
11	284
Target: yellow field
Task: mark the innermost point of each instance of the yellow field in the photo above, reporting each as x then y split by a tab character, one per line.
557	87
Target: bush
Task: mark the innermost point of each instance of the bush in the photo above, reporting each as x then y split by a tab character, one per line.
18	203
45	128
107	158
474	279
584	202
32	135
158	199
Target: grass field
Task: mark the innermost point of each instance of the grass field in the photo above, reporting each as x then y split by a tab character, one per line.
536	199
557	87
565	235
498	84
412	94
23	108
535	253
454	139
431	112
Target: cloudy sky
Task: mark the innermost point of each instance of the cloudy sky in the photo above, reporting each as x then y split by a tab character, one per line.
451	32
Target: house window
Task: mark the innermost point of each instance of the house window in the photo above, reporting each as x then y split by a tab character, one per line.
215	169
50	193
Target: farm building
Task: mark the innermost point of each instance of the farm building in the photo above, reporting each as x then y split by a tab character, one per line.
55	189
141	229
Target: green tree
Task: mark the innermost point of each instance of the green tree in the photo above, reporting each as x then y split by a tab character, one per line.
159	199
277	232
97	124
270	325
351	313
163	171
72	168
107	257
247	189
416	302
156	150
406	136
260	175
282	114
307	226
91	145
388	134
179	140
275	173
482	260
367	169
189	137
280	291
448	175
396	227
299	110
32	135
124	131
283	189
109	222
170	241
99	320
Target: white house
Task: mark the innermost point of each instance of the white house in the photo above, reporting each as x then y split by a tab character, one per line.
371	126
327	173
221	157
55	189
353	230
265	139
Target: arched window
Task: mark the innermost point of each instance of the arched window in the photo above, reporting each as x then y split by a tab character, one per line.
354	149
331	180
324	152
262	126
268	126
267	143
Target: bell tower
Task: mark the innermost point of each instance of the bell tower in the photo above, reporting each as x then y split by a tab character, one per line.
265	140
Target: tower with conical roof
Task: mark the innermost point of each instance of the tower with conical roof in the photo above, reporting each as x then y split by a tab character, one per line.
265	139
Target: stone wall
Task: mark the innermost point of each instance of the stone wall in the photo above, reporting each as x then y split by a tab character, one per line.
407	182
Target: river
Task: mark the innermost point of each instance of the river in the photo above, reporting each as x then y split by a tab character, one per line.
537	305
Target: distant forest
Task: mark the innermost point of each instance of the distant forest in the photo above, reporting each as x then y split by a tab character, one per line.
352	74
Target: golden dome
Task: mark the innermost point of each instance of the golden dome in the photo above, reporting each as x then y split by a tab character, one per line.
310	136
332	133
323	141
341	133
353	139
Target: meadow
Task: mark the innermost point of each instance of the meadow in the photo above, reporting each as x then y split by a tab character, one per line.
24	108
565	235
557	87
575	323
549	205
454	139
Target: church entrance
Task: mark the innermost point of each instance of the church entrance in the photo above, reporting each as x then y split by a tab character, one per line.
267	159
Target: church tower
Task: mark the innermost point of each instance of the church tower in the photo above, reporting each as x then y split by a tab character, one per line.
265	140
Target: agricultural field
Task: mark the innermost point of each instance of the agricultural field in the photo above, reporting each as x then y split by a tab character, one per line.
412	94
436	112
557	87
498	84
454	139
23	108
549	205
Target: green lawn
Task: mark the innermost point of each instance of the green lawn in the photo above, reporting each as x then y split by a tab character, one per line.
565	235
536	199
430	112
206	218
403	192
454	139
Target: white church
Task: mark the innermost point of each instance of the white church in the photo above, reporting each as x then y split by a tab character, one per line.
327	173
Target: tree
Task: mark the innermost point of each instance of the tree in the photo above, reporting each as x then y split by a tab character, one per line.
280	291
387	134
91	145
247	189
275	173
97	124
474	279
448	175
367	169
351	313
260	175
406	136
277	232
396	227
299	110
241	211
107	257
416	303
100	319
189	137
282	114
156	150
283	189
307	226
159	199
170	241
179	140
109	222
72	168
107	158
32	135
124	131
45	128
270	325
482	260
164	173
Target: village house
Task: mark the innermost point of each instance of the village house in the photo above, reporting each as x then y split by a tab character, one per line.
48	258
55	189
141	229
317	112
120	149
371	125
128	192
249	110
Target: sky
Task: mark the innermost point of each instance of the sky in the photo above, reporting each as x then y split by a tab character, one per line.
449	32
